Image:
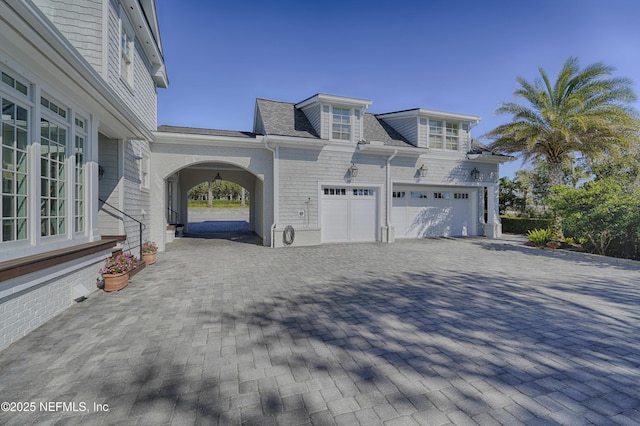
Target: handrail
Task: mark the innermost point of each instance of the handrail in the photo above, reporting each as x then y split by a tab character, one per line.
176	213
142	226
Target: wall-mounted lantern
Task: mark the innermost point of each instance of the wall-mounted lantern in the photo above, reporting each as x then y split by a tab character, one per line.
422	171
353	170
475	174
217	179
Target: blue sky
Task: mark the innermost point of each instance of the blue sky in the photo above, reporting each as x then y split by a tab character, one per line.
457	56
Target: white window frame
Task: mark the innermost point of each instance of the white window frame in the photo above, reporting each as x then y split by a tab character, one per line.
17	198
339	127
127	48
80	176
443	135
53	113
144	172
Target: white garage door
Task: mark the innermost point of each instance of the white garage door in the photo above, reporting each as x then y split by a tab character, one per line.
431	212
349	214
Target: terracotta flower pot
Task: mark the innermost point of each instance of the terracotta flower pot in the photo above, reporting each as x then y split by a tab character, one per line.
150	257
115	282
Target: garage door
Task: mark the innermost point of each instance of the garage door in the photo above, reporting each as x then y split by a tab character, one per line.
349	214
431	212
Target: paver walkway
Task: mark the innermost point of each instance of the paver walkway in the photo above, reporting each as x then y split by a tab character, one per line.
445	331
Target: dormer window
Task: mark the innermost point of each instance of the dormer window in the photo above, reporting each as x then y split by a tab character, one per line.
444	135
341	129
435	134
452	136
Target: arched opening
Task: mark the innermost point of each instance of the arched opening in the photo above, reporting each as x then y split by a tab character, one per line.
218	207
205	200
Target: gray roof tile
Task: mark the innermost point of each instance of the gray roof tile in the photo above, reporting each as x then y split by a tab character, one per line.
208	132
283	119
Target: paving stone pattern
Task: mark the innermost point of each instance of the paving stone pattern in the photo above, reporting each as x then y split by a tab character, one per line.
419	332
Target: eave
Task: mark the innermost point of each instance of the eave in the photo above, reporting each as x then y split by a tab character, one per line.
79	81
489	157
379	149
429	113
151	46
333	100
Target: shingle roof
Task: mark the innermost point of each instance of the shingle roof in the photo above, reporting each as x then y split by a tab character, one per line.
478	147
376	129
284	119
208	132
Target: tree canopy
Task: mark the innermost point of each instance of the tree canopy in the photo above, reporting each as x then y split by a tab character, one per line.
585	111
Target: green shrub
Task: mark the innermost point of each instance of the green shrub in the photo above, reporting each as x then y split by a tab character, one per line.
604	214
540	236
522	225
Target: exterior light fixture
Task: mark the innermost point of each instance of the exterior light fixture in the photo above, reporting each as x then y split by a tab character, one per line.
100	172
353	170
217	179
422	171
475	174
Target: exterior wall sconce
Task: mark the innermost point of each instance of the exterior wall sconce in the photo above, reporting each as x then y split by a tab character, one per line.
353	170
100	172
422	171
217	179
475	174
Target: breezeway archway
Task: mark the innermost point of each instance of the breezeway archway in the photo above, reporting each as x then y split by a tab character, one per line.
184	157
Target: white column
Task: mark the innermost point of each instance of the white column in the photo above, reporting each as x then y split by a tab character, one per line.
493	228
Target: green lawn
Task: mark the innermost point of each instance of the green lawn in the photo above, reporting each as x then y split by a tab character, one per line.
217	203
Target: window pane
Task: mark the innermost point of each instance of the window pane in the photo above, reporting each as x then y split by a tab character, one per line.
22	229
7	230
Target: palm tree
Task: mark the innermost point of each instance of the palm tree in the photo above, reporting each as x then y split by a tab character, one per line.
585	112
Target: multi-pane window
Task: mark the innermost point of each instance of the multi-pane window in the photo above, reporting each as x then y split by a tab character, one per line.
461	196
444	135
364	192
435	134
79	192
399	194
452	135
126	50
53	153
441	195
341	124
16	84
14	136
416	194
335	191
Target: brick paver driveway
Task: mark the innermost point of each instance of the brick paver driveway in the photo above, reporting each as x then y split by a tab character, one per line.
459	331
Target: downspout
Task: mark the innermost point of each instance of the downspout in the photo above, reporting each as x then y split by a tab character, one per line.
388	184
276	153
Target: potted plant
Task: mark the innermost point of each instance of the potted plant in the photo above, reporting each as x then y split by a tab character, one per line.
116	271
149	252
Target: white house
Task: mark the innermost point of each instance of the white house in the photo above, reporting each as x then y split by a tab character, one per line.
78	94
85	167
334	172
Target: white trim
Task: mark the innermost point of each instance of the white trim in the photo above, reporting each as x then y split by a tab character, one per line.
333	100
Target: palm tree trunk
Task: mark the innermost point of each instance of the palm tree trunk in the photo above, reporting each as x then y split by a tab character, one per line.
555	179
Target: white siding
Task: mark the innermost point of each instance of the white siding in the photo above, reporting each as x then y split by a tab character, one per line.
141	96
136	199
301	173
325	120
80	23
407	127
